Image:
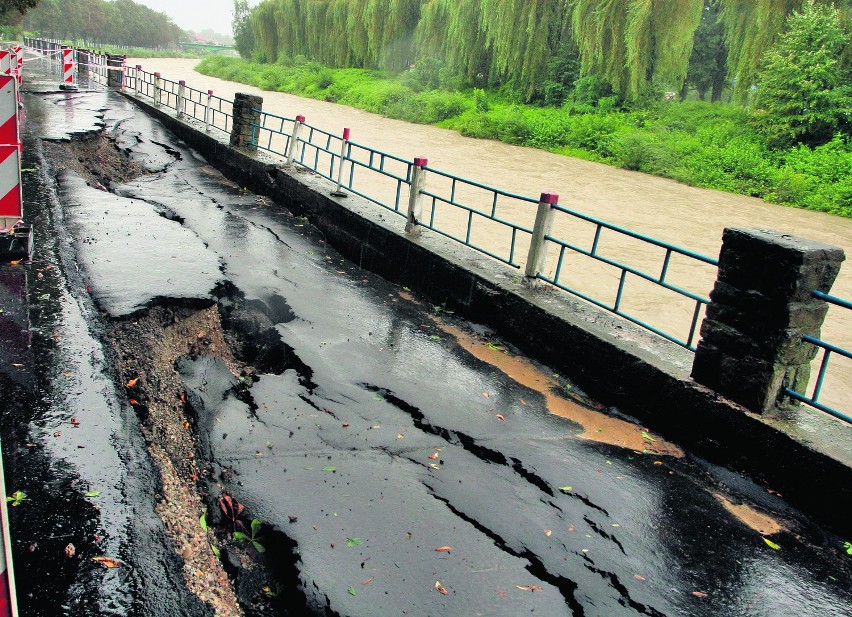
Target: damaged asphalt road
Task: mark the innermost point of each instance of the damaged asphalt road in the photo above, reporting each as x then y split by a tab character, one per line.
213	352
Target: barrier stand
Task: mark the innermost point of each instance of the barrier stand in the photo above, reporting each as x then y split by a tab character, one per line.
338	191
294	139
157	88
538	246
181	97
415	209
68	70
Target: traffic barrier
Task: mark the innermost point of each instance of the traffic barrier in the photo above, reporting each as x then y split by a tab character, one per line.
67	70
15	235
8	598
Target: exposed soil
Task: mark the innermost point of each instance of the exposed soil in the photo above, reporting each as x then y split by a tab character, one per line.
99	160
146	347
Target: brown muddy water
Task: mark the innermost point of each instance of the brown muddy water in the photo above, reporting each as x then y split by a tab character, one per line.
663	209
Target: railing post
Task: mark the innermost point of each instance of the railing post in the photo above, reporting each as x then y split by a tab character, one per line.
207	110
338	190
247	110
138	82
115	75
294	139
158	85
181	97
418	181
760	307
538	246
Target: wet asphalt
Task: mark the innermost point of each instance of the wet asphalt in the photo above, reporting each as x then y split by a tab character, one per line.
410	475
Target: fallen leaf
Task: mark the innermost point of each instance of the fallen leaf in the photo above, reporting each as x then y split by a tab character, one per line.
434	456
350	542
70	550
345	425
133	382
486	395
500	417
522	401
367	581
501	593
442	549
638	577
434	466
566	489
647	437
15	263
658	462
523	587
400	436
441	588
548	532
133	401
329	468
108	562
771	544
93	494
529	587
699	594
352	591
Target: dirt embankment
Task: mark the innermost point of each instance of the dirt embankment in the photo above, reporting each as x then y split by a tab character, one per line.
229	576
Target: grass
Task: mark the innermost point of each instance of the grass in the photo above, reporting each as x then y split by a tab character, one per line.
704	145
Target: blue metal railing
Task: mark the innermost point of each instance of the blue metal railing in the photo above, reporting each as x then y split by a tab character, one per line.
459	218
828	349
660	280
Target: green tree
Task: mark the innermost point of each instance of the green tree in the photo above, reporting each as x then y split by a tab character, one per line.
804	90
707	64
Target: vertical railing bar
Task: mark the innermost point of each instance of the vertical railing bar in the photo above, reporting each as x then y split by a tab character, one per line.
617	305
821	376
596	240
469	226
559	264
666	265
494	206
694	325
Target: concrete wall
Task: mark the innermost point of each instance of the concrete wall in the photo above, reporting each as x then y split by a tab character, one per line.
615	362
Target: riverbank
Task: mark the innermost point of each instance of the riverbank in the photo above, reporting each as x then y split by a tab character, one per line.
699	144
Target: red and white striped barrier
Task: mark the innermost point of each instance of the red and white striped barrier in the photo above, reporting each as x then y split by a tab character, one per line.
19	69
68	69
11	203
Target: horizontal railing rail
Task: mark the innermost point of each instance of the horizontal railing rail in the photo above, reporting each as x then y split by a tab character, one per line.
827	350
658	278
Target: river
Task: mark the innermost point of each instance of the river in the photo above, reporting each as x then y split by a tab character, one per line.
689	217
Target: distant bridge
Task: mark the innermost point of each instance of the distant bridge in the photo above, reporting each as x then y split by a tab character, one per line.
213	47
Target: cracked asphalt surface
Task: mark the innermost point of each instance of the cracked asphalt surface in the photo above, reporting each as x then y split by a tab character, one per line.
410	460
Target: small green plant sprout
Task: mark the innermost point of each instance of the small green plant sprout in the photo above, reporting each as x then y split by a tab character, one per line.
17	498
848	547
495	346
350	542
254	537
203	522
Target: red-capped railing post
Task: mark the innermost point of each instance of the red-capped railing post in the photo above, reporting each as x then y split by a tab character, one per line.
207	110
415	209
338	191
181	97
158	86
294	139
538	245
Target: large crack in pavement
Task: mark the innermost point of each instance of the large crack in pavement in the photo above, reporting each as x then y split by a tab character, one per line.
391	468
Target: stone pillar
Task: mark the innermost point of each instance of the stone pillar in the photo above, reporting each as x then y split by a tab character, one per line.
246	113
751	346
115	77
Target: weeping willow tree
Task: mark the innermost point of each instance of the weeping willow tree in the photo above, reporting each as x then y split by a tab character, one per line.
632	43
